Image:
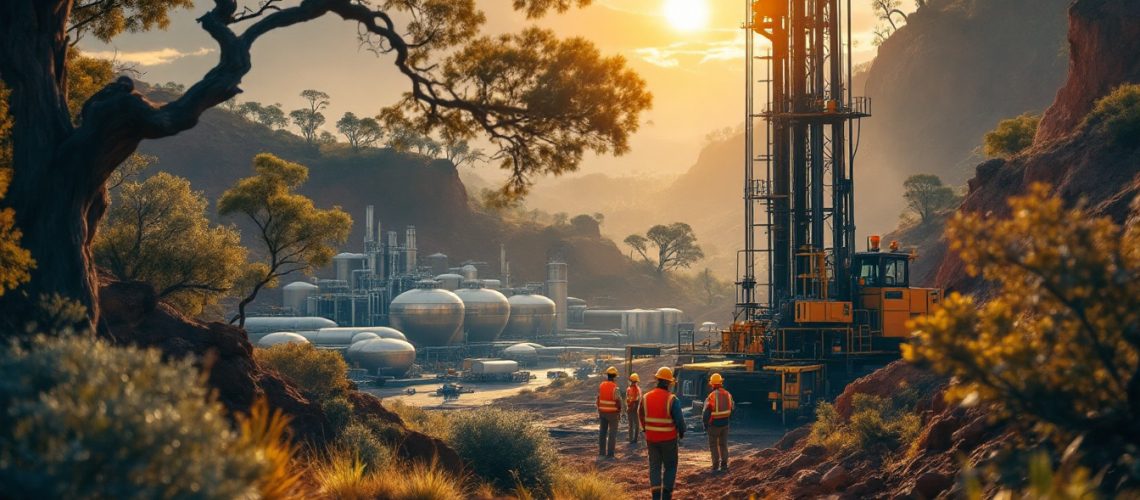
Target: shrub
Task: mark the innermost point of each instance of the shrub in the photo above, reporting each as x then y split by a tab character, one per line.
345	477
876	423
1118	115
586	486
338	411
321	373
434	424
505	448
84	419
425	482
361	441
829	431
1011	136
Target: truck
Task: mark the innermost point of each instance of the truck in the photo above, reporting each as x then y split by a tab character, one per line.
493	370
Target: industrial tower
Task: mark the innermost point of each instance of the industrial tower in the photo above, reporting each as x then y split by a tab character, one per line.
798	189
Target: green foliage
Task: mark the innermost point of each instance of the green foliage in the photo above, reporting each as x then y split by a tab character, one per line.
876	423
1117	115
1056	348
434	424
360	132
157	231
297	235
926	196
1011	136
338	411
322	374
104	19
676	246
83	419
85	77
1068	481
271	116
360	440
16	263
310	119
505	448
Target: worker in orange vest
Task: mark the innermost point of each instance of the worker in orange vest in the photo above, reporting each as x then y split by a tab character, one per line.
632	402
664	426
609	413
718	409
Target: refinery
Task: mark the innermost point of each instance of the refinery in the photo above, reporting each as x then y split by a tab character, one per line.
386	308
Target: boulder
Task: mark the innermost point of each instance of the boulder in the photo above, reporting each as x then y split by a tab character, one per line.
835	478
932	483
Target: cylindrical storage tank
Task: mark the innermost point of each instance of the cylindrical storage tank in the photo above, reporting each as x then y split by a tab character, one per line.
295	296
383	332
492	284
486	312
281	338
558	291
656	325
575	301
450	281
346	263
493	366
258	327
531	316
438	263
390	357
671	317
335	336
635	324
523	353
428	315
603	319
469	272
362	336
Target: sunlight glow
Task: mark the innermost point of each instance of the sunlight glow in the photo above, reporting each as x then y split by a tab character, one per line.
687	15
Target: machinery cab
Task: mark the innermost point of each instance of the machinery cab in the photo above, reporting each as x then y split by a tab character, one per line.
883	292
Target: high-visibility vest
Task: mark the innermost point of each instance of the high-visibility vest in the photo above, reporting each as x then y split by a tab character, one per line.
720	401
632	396
657	408
607	397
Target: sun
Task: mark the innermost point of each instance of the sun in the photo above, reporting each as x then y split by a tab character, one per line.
687	15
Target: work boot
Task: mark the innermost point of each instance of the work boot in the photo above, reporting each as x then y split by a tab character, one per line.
656	494
666	494
724	466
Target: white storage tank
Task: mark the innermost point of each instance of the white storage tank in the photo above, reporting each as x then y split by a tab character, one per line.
277	338
672	317
531	316
295	296
486	312
449	281
384	357
428	315
493	366
523	353
258	327
346	263
362	336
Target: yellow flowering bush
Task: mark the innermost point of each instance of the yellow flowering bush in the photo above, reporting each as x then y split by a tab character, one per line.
1056	346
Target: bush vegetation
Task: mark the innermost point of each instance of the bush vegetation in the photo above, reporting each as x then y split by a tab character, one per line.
1056	349
1011	136
321	373
361	440
435	424
1118	115
876	424
505	448
83	419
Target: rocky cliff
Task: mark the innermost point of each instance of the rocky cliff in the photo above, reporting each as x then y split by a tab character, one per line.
1080	159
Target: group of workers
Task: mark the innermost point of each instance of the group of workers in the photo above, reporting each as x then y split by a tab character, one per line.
657	414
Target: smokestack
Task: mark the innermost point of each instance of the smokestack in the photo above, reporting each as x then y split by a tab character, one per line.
410	254
368	221
393	255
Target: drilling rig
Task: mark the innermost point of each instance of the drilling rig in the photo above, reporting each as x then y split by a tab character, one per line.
811	312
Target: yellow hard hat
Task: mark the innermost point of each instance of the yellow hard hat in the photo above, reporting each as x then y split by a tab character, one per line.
716	379
634	378
611	371
664	373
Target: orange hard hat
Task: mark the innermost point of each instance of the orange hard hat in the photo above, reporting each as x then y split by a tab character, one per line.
664	373
716	379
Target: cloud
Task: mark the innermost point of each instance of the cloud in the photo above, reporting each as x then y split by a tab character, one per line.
148	57
674	54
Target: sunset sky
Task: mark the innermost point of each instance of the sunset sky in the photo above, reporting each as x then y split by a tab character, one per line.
694	72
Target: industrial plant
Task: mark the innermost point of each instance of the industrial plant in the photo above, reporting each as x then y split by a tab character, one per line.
386	307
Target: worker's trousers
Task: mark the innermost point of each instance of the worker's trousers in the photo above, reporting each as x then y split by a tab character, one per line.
607	432
662	455
634	424
718	445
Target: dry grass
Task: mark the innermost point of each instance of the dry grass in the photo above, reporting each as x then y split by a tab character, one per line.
586	486
433	423
425	482
342	476
268	431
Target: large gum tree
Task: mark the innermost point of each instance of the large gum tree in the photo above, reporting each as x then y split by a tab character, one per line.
542	101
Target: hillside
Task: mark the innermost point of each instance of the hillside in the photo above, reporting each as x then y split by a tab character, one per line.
416	190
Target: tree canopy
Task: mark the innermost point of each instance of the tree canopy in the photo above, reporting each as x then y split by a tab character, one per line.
676	246
1056	349
295	235
157	232
360	132
542	102
925	196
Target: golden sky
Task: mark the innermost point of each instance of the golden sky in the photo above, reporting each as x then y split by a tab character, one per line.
695	74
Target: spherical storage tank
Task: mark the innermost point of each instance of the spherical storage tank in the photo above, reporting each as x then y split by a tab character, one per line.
295	296
281	338
531	316
362	336
523	353
382	356
428	315
486	312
